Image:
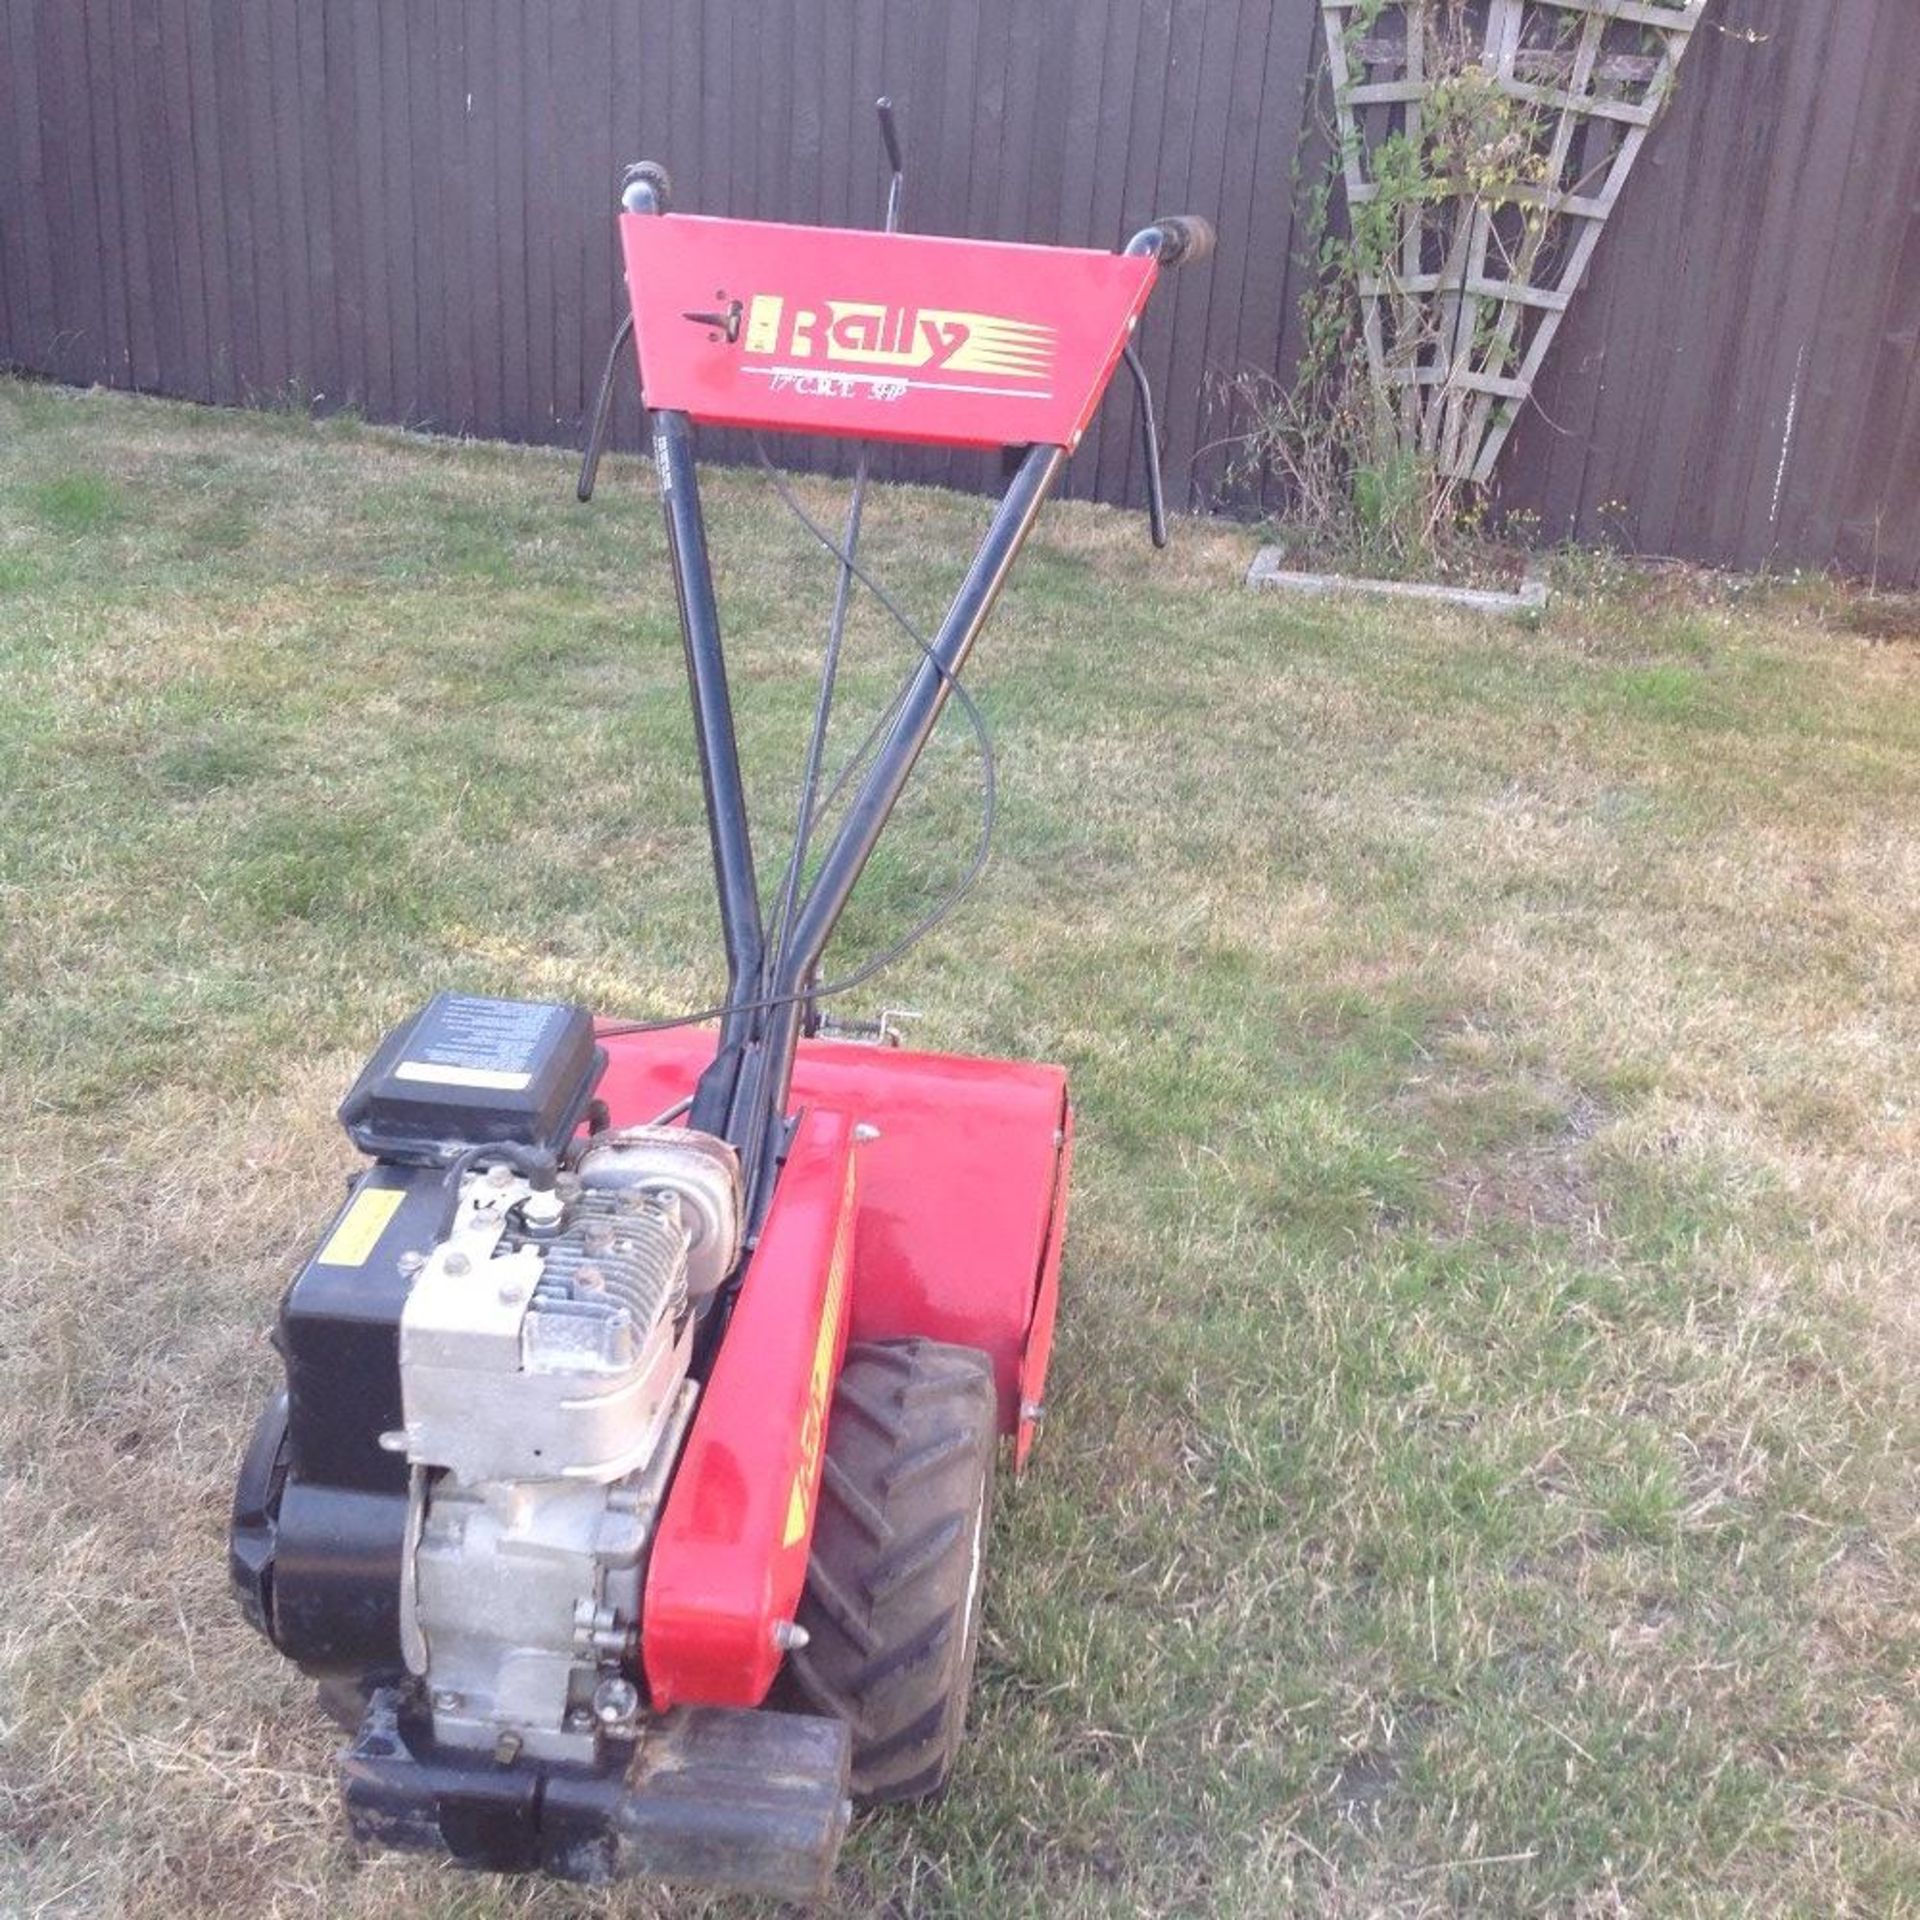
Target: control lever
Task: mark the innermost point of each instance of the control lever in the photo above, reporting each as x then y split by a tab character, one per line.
889	133
896	164
1149	445
602	415
725	323
789	907
645	187
1175	240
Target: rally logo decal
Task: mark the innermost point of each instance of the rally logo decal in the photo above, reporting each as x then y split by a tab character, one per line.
836	348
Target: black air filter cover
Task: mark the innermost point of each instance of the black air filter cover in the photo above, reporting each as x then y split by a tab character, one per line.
470	1072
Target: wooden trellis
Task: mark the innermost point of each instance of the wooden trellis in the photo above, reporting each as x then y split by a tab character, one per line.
1465	301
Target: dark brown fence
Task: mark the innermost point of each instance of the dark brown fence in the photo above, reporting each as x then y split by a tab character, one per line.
404	206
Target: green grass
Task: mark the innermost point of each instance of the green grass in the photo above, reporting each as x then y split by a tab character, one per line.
1480	1467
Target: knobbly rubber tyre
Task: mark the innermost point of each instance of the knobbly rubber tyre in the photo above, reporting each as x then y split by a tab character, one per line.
892	1600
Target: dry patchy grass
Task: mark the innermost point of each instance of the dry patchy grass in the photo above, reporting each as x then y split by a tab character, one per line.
1480	1475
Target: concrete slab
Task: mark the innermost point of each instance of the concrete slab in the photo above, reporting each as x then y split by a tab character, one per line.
1267	571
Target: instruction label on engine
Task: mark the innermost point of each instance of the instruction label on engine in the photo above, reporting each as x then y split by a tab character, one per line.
357	1232
466	1041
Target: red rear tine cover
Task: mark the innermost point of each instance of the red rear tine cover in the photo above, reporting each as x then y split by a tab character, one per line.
964	343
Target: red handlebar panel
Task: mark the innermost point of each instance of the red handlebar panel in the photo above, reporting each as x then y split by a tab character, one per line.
960	343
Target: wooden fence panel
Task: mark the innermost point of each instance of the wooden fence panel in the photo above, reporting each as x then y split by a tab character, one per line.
405	206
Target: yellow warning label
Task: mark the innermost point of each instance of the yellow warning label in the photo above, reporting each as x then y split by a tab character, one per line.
360	1227
796	1516
813	1432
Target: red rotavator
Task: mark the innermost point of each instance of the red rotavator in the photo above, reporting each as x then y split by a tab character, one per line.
630	1489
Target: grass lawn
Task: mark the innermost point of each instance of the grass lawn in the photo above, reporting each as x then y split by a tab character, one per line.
1480	1473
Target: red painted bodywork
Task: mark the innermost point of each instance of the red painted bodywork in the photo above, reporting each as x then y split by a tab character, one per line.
730	1556
888	336
958	1206
1037	1351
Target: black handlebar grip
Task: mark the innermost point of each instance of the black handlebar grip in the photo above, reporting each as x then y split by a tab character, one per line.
1186	239
654	178
889	133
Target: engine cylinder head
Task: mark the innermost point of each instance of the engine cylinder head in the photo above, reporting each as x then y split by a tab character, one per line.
700	1171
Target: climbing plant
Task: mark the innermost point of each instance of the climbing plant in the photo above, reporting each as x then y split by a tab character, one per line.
1478	147
1482	145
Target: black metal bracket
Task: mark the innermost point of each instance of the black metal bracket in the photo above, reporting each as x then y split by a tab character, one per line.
752	1801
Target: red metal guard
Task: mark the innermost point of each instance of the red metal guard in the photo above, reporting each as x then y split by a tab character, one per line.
887	336
955	1228
730	1555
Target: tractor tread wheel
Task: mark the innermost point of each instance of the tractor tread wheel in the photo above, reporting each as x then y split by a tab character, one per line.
891	1607
864	1512
916	1559
926	1462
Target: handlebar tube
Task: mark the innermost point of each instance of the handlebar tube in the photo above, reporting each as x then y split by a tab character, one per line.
743	1094
761	1107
